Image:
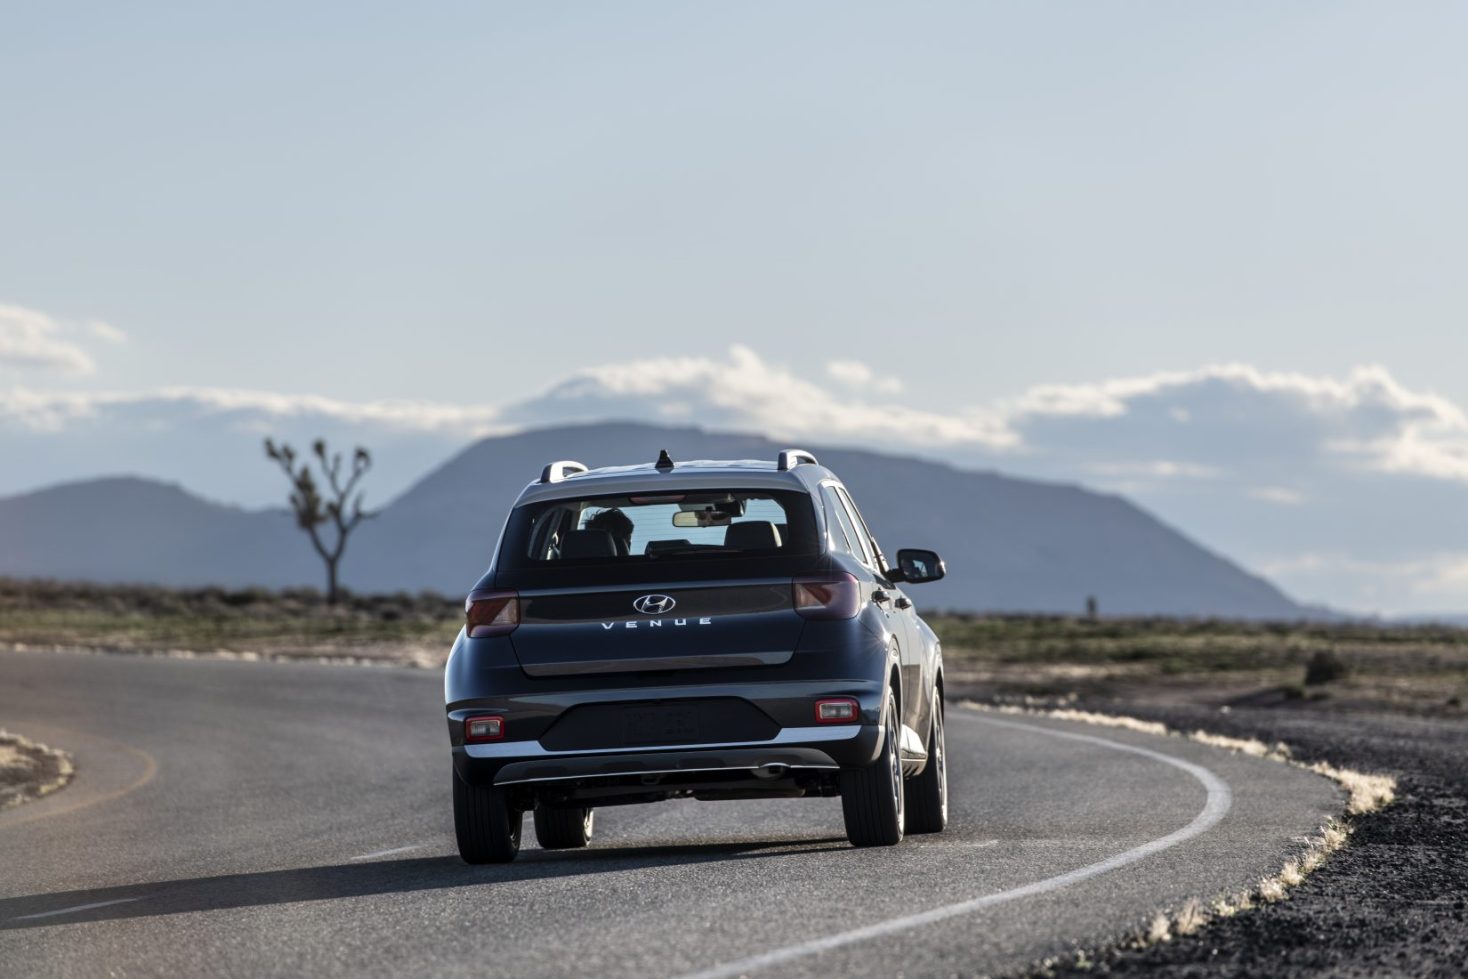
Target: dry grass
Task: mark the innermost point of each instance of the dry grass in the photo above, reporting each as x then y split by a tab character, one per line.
1271	889
1368	793
245	624
1195	915
1082	716
1418	668
1191	918
1279	751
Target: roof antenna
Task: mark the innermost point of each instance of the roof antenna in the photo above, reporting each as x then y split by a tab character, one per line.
664	460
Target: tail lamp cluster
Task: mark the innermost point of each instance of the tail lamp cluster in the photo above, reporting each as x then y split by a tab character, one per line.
838	710
484	728
491	613
834	597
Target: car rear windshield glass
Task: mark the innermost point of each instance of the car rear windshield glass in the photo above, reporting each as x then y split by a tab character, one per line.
659	530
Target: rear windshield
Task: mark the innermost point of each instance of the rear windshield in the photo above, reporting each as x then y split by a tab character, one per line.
668	533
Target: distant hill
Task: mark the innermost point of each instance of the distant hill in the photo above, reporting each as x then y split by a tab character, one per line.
1011	544
129	529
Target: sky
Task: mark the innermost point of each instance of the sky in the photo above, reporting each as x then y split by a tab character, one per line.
1208	256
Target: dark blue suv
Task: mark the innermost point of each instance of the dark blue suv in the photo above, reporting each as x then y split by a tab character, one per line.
707	630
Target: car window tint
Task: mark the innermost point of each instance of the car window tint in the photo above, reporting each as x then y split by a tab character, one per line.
545	536
839	519
868	542
653	522
637	529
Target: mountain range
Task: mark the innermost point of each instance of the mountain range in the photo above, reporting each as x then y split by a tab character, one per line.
1010	544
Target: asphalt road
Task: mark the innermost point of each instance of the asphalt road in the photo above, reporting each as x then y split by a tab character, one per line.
243	819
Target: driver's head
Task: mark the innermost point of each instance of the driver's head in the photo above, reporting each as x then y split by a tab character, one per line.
616	523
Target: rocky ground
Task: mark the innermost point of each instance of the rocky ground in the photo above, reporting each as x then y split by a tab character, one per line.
1391	903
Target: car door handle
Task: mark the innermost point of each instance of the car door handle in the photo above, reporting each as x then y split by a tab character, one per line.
904	602
881	597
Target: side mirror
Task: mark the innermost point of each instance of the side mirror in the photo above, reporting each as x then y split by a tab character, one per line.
916	566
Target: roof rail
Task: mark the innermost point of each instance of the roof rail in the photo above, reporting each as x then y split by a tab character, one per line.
557	471
791	458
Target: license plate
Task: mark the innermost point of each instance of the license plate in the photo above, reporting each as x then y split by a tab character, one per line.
662	725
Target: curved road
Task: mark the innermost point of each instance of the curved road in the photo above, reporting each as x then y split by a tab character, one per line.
237	819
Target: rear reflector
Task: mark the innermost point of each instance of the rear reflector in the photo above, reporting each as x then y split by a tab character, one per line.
491	613
484	729
837	710
836	597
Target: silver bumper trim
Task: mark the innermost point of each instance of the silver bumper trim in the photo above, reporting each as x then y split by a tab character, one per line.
789	735
654	771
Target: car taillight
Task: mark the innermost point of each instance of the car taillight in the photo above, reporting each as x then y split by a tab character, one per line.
837	710
837	597
491	613
484	729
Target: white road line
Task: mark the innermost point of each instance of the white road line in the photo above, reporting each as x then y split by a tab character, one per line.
1220	798
79	907
388	853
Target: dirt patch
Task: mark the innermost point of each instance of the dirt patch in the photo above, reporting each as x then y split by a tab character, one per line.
29	770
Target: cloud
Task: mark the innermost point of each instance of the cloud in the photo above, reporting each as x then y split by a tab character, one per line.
1431	582
1281	495
31	339
857	375
177	407
210	439
106	331
1267	434
1241	420
1157	468
745	392
1262	438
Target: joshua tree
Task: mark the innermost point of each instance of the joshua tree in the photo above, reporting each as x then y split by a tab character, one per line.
313	510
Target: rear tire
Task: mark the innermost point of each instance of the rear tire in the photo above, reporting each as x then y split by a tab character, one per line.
563	829
928	800
872	795
486	825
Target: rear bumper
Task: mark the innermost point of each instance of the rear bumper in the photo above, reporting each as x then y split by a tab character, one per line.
519	762
778	729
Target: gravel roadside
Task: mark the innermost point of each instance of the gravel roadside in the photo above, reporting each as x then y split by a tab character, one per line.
1391	903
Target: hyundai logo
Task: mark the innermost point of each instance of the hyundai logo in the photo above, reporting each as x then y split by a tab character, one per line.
654	604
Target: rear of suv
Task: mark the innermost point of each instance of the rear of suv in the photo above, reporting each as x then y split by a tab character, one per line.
706	630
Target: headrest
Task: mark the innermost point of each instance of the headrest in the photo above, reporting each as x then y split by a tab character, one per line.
752	535
654	546
577	545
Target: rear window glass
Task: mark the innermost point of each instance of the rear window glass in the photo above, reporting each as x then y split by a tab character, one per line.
658	530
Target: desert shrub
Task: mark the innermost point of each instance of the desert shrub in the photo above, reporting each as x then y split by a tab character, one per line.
1325	666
